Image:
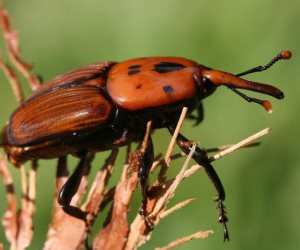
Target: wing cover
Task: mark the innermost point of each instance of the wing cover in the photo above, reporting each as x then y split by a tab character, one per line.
58	114
92	74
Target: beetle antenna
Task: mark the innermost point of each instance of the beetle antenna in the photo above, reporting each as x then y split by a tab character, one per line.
265	103
283	55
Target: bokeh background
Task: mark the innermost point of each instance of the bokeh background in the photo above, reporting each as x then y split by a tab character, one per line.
262	183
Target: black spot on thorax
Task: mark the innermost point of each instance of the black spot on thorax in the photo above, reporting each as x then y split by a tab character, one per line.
168	89
165	67
134	69
134	66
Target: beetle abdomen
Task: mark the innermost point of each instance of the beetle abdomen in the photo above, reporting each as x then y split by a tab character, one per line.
57	114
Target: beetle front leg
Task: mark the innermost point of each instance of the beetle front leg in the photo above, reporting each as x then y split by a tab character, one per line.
144	166
198	118
200	156
70	188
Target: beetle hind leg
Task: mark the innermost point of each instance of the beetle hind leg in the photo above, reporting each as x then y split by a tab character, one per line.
70	188
200	156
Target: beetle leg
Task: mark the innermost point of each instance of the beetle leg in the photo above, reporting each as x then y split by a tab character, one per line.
200	115
70	188
145	164
200	156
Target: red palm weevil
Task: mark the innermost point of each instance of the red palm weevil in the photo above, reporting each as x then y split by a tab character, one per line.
106	105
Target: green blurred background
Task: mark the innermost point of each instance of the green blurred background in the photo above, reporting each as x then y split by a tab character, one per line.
262	183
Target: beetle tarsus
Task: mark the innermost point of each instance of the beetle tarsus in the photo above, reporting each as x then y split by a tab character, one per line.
225	232
223	219
148	222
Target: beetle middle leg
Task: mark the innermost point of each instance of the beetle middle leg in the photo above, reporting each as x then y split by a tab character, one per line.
200	156
70	188
145	164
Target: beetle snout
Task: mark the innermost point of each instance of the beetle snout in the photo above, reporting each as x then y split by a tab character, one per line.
218	78
234	82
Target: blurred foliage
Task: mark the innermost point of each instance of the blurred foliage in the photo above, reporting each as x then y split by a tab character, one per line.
261	183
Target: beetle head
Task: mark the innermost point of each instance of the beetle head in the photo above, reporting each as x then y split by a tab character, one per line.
214	78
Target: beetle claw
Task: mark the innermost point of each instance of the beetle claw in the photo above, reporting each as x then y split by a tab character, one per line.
147	219
223	219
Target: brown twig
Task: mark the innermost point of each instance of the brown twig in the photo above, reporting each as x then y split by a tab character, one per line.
23	218
116	225
25	214
97	192
9	218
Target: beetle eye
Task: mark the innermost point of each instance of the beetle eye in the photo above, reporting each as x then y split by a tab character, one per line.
208	87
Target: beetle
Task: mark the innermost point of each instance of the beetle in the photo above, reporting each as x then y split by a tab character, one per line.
107	105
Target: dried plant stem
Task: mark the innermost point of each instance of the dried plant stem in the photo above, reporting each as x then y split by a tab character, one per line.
24	185
198	235
223	147
9	219
25	216
175	134
97	191
146	137
13	80
12	42
171	191
165	163
176	207
117	224
241	144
